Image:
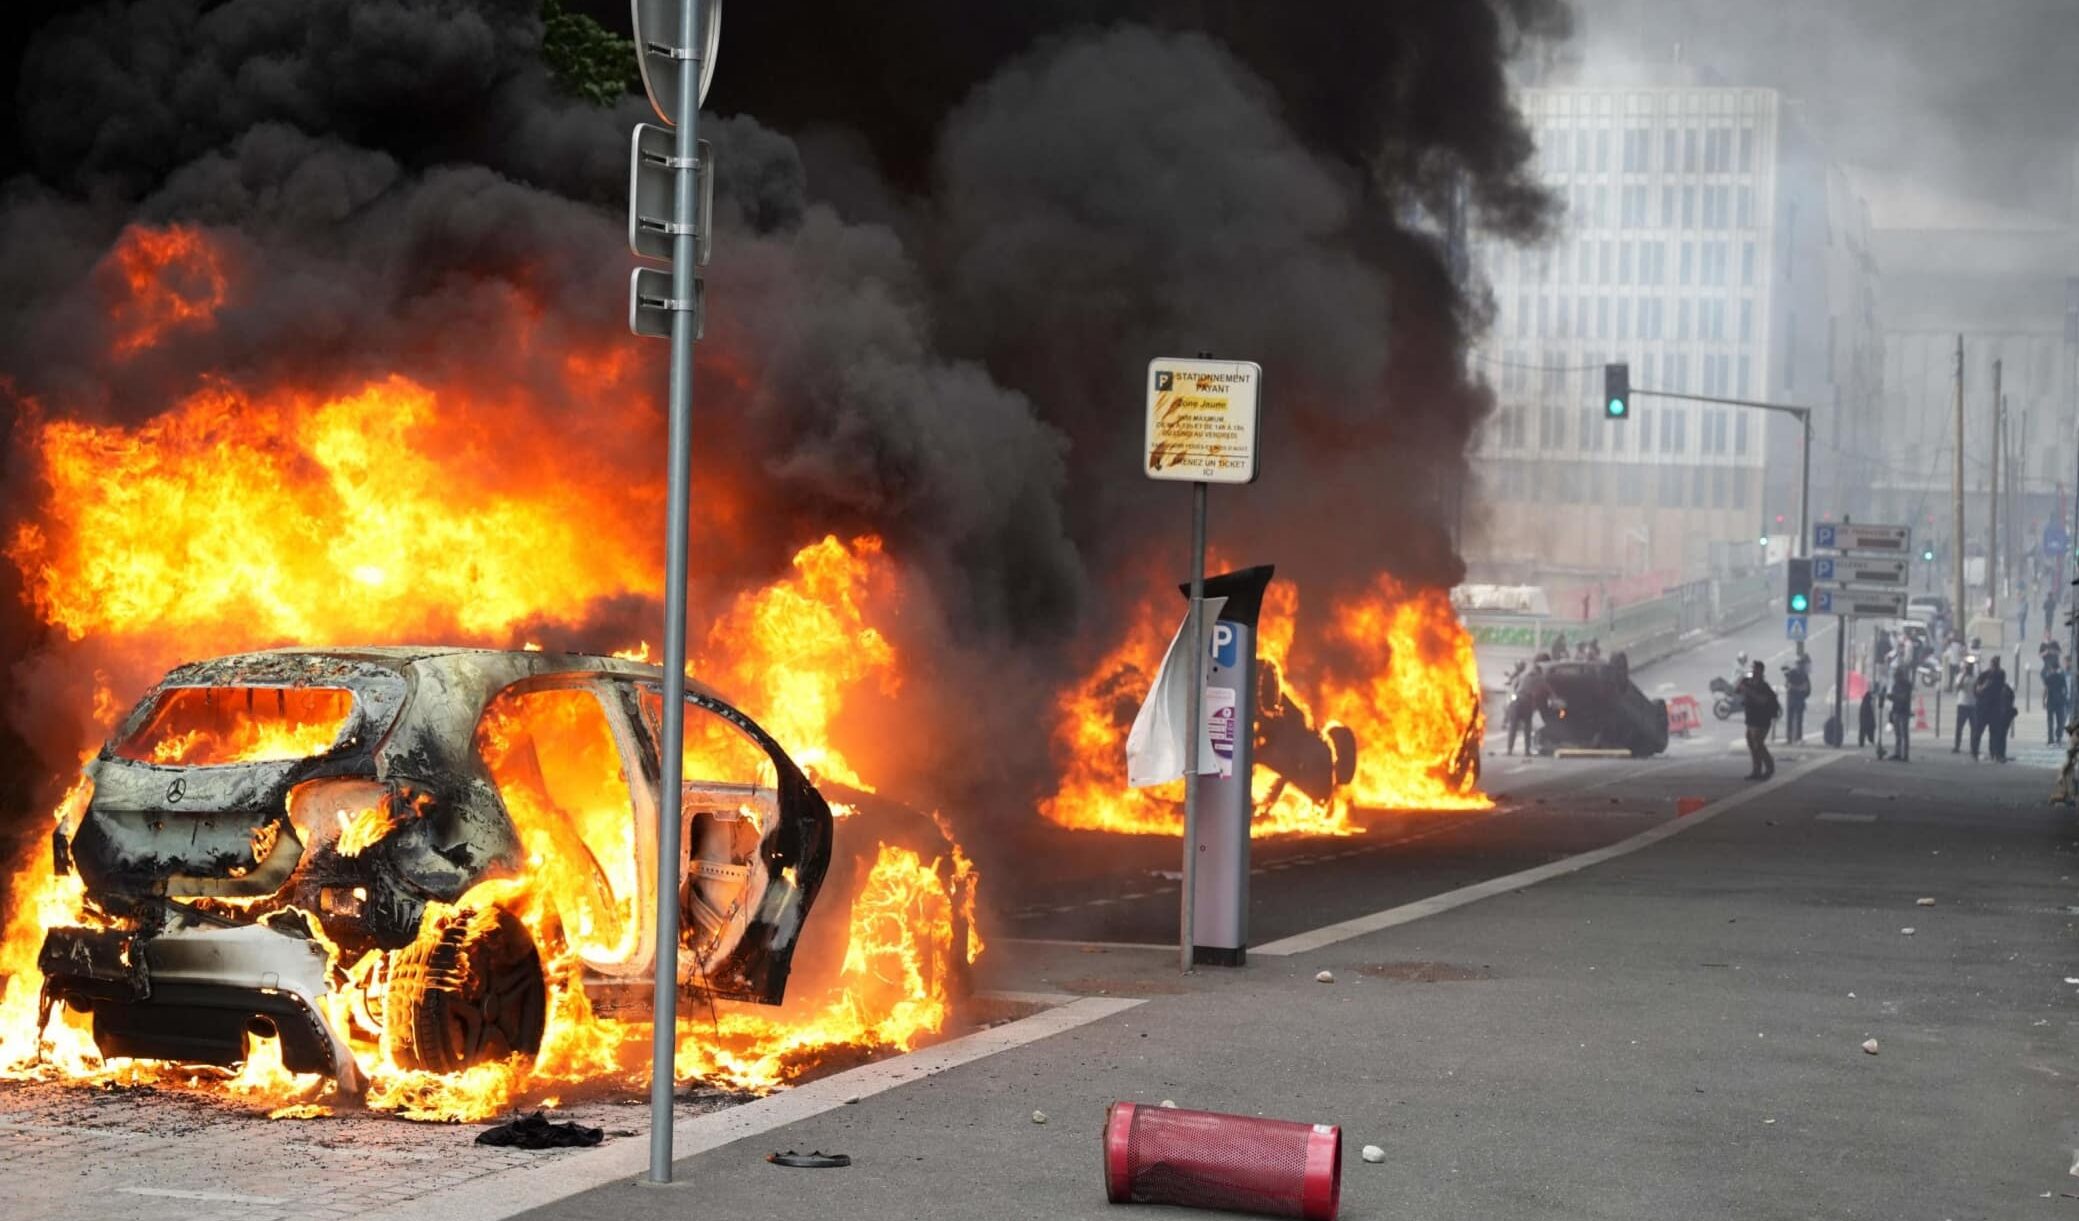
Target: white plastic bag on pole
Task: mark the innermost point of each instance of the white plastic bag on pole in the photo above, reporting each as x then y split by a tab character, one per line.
1155	745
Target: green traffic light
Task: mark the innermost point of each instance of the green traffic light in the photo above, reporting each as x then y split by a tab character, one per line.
1800	603
1928	555
1617	409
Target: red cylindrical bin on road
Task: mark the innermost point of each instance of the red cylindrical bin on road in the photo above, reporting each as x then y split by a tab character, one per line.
1203	1159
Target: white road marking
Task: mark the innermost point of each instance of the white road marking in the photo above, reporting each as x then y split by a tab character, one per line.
494	1197
1437	904
1078	945
1838	816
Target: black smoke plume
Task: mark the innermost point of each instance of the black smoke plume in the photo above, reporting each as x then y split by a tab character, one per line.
953	234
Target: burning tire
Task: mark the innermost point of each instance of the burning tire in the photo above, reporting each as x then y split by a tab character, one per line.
1342	743
469	990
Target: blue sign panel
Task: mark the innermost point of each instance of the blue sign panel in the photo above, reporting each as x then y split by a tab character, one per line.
1794	627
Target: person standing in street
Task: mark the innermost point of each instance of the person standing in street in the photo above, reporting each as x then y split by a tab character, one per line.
1995	709
1523	704
1966	709
1759	700
1797	689
1952	660
1866	727
2049	607
2057	695
1901	711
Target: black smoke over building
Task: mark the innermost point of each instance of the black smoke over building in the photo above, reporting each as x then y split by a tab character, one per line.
952	236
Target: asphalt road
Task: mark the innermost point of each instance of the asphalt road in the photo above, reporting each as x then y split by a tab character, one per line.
1087	886
1676	1032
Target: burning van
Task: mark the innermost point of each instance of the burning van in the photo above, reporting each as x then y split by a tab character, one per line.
408	846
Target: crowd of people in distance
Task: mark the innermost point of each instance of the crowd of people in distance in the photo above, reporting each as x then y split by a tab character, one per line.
1986	707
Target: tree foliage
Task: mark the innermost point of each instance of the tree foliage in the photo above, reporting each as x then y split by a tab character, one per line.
587	59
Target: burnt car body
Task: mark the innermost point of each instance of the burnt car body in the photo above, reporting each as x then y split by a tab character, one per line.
225	895
1313	760
1594	705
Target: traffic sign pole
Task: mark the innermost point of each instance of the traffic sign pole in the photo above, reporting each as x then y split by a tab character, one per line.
1852	582
1201	428
1194	718
670	31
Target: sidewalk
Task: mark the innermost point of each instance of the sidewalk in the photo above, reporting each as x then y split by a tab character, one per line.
1674	1033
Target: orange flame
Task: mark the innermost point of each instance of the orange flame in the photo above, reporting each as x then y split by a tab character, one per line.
1397	669
911	919
394	510
172	278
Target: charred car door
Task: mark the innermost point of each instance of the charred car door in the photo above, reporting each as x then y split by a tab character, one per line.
757	841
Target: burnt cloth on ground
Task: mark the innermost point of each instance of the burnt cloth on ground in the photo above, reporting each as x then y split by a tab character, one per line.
538	1131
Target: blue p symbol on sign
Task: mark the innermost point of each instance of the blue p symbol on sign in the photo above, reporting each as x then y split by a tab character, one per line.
1227	645
1826	536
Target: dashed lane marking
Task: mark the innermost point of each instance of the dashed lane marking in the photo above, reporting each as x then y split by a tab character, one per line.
1839	816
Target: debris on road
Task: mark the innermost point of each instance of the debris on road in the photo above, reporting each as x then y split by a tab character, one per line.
538	1131
1324	977
1207	1159
1906	932
1168	1104
813	1160
1925	902
1372	1153
1870	1046
1039	1117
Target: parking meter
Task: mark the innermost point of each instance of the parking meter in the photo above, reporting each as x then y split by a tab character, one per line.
1220	910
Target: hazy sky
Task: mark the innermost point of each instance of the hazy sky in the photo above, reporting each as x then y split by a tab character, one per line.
1979	99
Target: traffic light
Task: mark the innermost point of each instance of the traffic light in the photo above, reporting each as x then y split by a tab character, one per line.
1927	553
1799	595
1617	391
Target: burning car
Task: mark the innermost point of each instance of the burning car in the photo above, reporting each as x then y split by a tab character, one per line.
1595	705
415	846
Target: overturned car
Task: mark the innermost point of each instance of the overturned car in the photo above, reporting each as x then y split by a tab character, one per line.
398	840
1594	705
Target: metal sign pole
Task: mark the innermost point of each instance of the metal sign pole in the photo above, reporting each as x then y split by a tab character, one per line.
1194	716
1841	623
685	267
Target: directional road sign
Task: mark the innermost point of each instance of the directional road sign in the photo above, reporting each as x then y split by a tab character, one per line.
650	304
652	190
1841	536
661	42
1795	627
1859	570
1872	603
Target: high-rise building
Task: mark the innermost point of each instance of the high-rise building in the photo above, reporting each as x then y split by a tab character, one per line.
1693	246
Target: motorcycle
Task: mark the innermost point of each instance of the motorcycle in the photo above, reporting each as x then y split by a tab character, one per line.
1727	701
